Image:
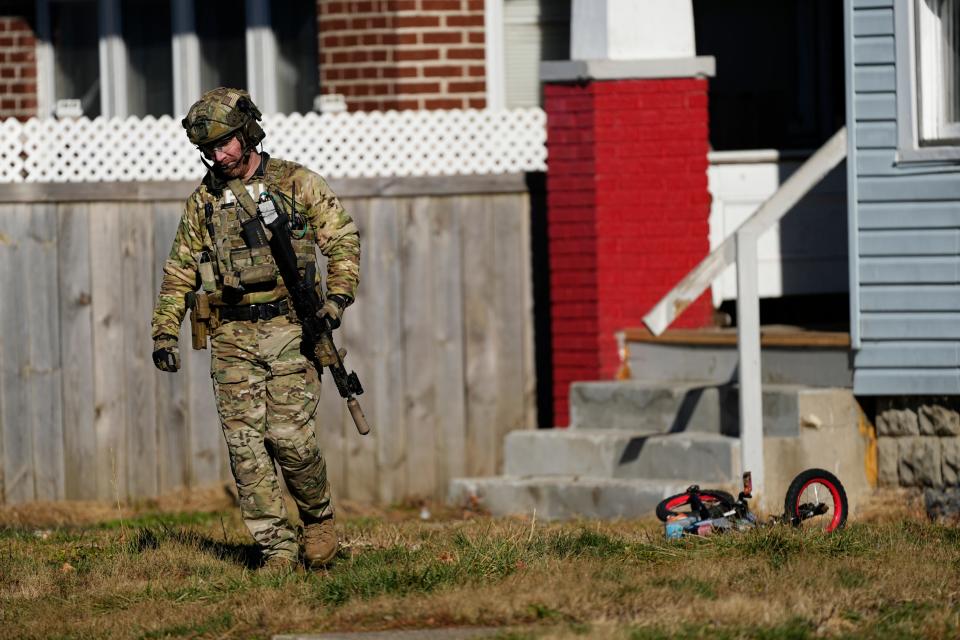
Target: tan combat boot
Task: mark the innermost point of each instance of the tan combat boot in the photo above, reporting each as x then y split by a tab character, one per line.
319	543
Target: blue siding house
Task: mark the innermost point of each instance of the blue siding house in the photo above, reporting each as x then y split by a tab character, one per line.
903	114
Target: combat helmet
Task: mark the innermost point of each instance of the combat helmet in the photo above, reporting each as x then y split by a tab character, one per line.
221	112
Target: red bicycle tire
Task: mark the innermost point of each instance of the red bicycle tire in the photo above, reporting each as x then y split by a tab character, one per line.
708	496
791	503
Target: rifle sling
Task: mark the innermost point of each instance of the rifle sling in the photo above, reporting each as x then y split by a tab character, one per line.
240	193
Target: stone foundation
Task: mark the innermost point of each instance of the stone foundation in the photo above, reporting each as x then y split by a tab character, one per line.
918	441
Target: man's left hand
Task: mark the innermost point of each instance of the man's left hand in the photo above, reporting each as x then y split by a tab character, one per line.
332	309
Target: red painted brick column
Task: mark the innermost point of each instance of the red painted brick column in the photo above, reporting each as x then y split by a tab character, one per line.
627	207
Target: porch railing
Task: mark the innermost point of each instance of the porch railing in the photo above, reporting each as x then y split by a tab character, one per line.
741	248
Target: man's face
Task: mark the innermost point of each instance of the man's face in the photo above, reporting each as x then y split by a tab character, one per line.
227	157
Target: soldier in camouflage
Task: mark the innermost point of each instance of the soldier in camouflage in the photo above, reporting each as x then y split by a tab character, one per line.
266	391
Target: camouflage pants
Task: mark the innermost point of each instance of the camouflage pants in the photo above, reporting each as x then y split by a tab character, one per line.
267	394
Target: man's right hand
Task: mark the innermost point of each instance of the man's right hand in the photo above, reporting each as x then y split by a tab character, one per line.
166	353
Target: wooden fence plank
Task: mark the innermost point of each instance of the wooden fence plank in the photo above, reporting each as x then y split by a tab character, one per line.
420	371
207	447
172	395
529	365
106	268
481	354
509	315
448	353
76	332
14	356
140	399
361	461
382	291
43	382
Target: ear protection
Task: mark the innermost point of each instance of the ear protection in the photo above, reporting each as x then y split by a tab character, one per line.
252	131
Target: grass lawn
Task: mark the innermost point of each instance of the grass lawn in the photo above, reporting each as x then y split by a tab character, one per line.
69	571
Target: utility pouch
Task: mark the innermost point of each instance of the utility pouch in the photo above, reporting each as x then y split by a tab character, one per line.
199	319
258	273
207	275
232	289
261	269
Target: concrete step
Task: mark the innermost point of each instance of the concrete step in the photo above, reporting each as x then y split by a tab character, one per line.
700	408
566	497
805	358
619	453
646	406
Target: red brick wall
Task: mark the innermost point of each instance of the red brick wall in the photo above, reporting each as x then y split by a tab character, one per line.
403	54
18	68
628	208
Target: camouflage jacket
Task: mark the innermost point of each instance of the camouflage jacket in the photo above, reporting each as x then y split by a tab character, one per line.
209	230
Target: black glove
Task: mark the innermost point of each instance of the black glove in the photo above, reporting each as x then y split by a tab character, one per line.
332	309
166	353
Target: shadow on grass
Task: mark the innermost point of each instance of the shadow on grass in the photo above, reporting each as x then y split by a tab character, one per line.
147	538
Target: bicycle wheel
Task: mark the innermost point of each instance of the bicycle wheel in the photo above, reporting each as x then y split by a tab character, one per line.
816	499
721	501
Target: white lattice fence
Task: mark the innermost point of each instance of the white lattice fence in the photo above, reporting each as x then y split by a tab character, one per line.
350	145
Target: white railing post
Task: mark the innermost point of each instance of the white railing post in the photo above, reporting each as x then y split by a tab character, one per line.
748	344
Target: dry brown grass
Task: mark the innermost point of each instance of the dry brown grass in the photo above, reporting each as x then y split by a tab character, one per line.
76	571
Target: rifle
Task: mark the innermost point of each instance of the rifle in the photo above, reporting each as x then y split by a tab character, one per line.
317	337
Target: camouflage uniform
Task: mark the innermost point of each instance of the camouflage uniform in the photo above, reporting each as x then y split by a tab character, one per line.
266	391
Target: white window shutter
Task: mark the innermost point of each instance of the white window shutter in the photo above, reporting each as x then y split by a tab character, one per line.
534	30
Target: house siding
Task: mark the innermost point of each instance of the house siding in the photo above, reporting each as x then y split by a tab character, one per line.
905	242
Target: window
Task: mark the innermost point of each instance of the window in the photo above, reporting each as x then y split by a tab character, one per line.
938	28
147	35
927	64
155	57
534	30
221	28
76	73
294	26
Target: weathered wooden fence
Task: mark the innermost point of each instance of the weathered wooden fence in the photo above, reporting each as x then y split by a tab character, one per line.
441	336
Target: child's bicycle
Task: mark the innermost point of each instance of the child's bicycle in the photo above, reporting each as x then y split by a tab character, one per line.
815	498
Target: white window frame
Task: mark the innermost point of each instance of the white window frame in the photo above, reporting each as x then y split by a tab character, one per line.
910	103
494	54
261	58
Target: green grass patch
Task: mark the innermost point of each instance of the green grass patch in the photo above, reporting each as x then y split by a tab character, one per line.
208	628
150	538
585	543
395	571
175	576
154	520
687	585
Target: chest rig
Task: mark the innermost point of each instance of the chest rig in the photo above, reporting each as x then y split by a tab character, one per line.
232	267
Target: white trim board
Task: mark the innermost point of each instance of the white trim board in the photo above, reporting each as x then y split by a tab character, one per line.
581	70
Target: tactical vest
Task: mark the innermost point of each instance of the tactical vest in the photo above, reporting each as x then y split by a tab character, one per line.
232	269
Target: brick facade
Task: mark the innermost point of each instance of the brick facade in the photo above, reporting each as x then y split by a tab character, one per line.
18	68
403	54
628	211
